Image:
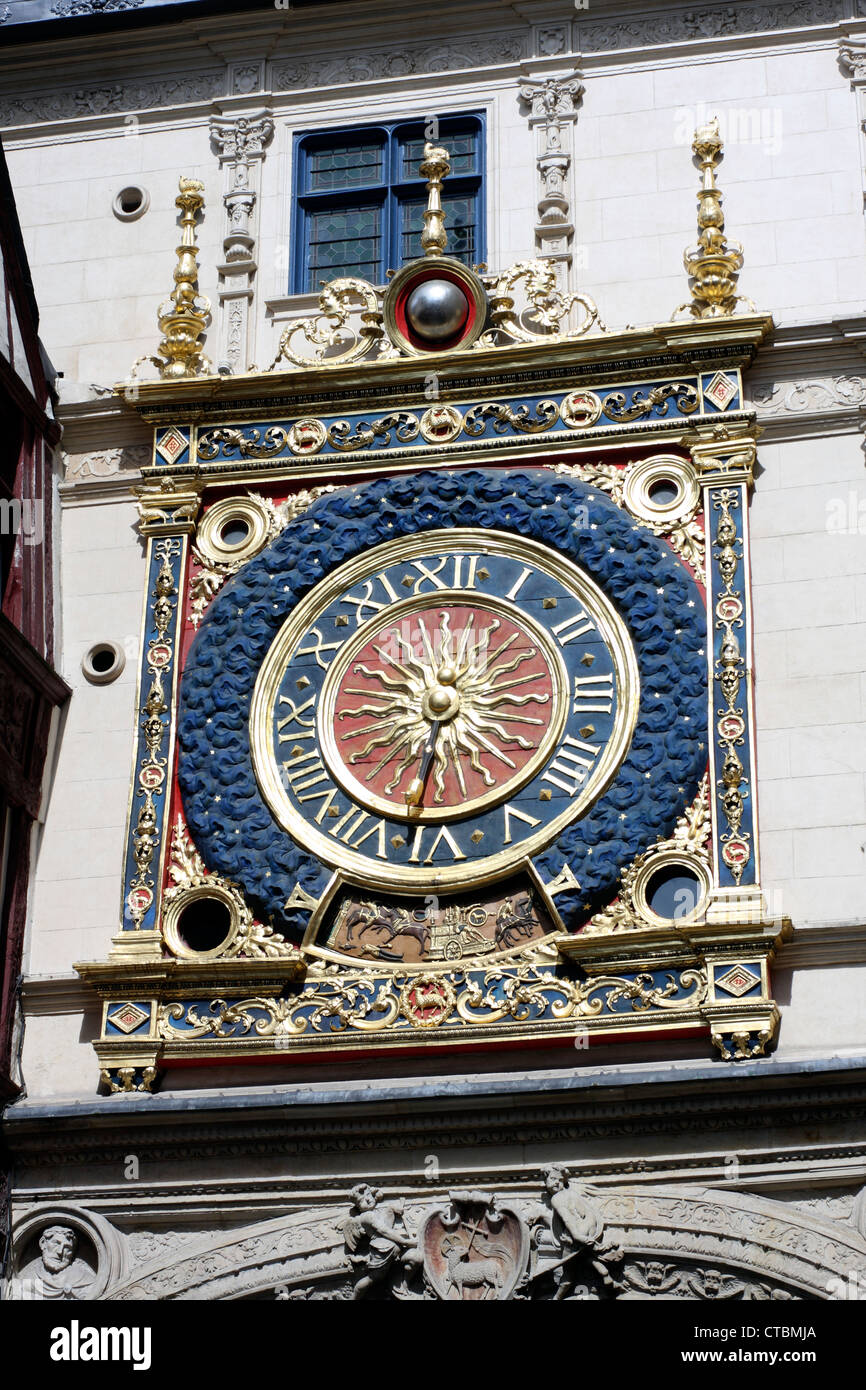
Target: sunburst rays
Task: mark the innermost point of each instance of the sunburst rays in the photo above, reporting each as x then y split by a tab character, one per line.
480	735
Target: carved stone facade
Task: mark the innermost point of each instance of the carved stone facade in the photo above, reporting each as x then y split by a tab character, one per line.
549	1239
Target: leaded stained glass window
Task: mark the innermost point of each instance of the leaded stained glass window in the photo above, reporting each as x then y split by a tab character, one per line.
361	198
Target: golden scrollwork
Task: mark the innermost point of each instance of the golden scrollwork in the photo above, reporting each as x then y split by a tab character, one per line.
337	1000
542	317
331	341
688	845
355	320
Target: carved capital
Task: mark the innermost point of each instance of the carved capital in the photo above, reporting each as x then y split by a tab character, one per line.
168	508
724	451
241	137
552	98
852	56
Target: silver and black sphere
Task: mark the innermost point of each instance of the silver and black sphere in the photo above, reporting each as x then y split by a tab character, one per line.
436	310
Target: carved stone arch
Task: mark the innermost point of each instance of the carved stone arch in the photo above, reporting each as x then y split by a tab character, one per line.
721	1244
295	1250
761	1240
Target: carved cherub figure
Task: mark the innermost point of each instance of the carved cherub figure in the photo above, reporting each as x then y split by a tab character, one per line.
376	1237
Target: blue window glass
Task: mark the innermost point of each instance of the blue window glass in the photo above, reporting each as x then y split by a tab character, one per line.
360	199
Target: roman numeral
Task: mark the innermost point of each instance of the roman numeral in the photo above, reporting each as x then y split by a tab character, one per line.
571	763
571	628
366	600
518	584
354	822
593	694
307	725
512	811
472	565
305	770
443	835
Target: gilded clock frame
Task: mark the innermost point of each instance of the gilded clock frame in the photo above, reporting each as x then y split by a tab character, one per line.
610	625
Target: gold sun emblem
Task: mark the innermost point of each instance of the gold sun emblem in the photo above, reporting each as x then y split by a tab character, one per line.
448	700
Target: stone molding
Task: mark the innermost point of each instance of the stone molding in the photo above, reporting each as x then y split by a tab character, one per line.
695	24
397	1117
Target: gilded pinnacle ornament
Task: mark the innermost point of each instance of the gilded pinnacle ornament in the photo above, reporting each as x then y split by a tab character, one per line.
184	315
715	262
435	167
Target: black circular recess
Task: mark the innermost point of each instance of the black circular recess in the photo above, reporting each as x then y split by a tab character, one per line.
204	924
674	891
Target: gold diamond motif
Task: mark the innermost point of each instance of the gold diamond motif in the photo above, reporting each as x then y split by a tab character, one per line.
397	841
477	836
587	659
128	1017
721	391
171	446
302	683
545	795
548	603
738	980
483	574
587	731
341	620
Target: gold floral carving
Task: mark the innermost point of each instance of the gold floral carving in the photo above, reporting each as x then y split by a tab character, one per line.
546	309
152	769
731	675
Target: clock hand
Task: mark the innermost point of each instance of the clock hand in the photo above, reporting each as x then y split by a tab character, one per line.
414	793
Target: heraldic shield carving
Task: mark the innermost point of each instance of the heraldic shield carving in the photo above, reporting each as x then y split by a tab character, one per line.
474	1250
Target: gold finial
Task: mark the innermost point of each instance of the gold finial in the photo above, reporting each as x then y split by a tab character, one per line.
715	262
436	166
183	316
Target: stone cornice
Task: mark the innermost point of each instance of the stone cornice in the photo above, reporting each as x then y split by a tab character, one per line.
524	1108
810	378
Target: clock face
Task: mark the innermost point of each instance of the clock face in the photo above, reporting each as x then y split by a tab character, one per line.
440	707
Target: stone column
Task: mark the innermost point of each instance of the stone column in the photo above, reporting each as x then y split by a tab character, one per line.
240	142
553	109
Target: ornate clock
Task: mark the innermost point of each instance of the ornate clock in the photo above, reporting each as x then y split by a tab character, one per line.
445	717
439	708
417	707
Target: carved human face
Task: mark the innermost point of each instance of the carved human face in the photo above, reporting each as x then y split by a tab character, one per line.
57	1245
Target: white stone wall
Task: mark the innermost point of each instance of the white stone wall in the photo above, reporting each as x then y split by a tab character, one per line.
76	905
